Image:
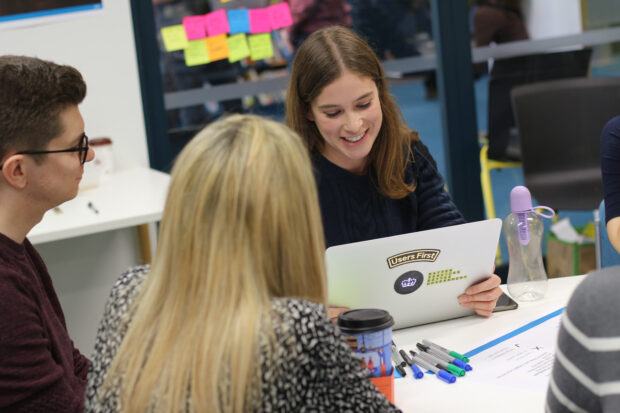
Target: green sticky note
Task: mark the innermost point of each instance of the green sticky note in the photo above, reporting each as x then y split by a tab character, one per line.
174	37
260	46
196	53
237	47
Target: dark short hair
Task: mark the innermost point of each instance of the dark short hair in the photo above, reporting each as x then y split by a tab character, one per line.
33	92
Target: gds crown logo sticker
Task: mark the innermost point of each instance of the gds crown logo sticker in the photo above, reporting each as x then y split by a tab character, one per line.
425	255
408	282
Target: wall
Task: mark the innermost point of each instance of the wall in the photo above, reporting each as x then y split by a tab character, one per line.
101	46
552	18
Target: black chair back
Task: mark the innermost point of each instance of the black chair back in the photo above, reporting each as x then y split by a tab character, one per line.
559	124
521	70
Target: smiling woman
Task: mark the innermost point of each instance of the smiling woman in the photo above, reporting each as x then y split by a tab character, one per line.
375	177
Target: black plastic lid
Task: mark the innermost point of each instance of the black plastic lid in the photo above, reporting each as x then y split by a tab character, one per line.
364	320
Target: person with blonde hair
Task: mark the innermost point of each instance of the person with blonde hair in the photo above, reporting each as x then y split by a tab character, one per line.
231	315
375	177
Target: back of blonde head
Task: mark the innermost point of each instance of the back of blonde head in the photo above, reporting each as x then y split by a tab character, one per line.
241	226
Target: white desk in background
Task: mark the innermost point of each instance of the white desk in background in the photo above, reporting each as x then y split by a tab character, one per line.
134	197
86	251
462	335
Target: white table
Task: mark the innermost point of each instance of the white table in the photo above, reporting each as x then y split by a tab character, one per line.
134	197
463	335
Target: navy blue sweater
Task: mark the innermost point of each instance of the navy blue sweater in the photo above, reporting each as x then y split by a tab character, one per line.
610	166
353	209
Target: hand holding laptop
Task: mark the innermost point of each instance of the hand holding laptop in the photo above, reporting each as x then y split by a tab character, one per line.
483	296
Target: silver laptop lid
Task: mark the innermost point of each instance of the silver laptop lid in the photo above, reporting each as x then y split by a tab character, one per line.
417	277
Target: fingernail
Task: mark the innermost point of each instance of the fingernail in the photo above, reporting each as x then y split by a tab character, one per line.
464	299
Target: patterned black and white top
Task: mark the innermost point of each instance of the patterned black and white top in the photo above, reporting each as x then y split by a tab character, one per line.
317	372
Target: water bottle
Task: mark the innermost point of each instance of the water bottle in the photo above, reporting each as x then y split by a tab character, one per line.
523	230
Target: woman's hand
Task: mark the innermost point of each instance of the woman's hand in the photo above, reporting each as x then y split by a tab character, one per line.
483	296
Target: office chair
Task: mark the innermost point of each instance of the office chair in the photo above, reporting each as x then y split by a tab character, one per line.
502	148
559	124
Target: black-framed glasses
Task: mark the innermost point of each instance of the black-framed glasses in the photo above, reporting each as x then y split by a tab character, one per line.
81	148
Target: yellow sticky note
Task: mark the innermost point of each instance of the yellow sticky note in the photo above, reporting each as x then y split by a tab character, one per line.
217	47
260	46
174	37
196	53
238	47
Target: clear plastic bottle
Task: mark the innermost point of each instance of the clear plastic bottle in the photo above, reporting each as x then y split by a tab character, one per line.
523	230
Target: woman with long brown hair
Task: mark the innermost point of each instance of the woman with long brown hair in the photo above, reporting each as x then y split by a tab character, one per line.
375	177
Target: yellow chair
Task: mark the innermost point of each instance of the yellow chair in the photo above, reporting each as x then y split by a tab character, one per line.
486	165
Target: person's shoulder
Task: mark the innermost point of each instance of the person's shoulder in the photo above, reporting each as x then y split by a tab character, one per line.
297	309
594	306
128	284
612	128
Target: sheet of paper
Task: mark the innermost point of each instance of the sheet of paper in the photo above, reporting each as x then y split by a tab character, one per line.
216	23
280	15
194	27
217	47
174	37
239	21
521	359
237	47
196	53
260	21
260	46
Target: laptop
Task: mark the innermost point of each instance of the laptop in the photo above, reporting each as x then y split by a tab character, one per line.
417	277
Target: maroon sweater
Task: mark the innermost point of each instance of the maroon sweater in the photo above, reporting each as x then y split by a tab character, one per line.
40	370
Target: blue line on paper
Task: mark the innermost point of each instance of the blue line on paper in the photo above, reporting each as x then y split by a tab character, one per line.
52	12
514	333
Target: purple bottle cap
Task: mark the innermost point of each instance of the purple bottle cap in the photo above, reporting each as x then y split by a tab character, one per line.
520	199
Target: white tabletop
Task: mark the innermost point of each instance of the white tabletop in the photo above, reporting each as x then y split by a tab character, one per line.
127	198
463	335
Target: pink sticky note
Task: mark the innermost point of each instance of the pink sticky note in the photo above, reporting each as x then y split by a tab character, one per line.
260	22
280	15
217	23
194	27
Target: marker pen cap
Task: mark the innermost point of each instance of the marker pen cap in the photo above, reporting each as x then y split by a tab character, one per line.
459	363
417	373
468	367
457	371
445	376
459	356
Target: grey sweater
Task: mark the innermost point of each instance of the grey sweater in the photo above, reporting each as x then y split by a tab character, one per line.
586	371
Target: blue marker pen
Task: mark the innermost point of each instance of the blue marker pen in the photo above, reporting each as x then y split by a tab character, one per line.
417	373
445	350
441	374
457	371
442	356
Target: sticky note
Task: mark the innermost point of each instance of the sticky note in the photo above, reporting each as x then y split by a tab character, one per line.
196	53
260	21
174	37
237	47
217	47
239	21
260	46
194	27
217	23
280	15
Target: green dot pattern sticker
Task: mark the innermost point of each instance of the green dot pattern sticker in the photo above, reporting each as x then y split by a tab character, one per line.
443	276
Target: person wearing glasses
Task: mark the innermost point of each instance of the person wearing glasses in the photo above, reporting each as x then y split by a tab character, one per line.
43	149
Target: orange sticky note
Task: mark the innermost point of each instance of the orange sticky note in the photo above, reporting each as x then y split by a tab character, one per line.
217	47
260	46
174	37
196	53
237	47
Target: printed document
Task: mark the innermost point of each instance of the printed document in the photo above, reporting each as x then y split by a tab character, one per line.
521	359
